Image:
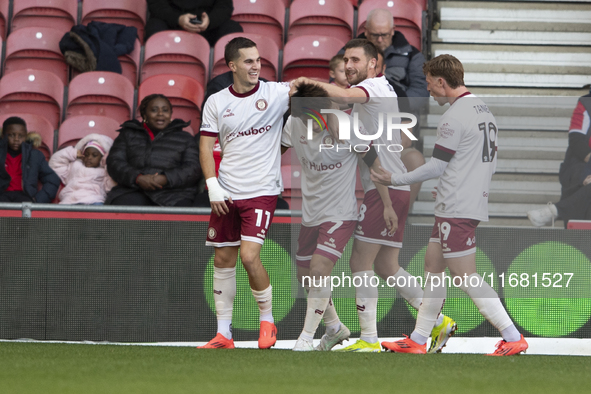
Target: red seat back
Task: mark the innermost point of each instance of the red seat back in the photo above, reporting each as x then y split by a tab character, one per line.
262	17
321	17
309	56
77	127
56	14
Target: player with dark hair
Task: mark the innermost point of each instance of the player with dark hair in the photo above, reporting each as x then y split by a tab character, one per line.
378	240
329	206
465	169
247	118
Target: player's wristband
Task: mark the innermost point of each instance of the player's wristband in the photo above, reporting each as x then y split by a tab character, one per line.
216	193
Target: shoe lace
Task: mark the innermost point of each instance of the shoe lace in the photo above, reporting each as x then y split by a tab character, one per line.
500	344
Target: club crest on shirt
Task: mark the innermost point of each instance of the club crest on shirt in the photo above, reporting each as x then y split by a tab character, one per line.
261	104
328	140
211	233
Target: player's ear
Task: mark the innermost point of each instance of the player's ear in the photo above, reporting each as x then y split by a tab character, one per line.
373	62
232	66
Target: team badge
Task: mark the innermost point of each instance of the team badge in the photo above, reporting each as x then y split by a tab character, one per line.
261	104
211	233
328	140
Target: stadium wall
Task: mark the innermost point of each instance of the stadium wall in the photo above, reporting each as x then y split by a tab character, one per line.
147	278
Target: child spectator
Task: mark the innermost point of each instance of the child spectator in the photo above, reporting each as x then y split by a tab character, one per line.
82	170
24	166
337	71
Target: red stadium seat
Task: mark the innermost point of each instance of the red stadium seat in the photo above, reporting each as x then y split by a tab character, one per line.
130	64
185	95
332	18
262	17
268	51
408	17
176	52
309	56
100	93
32	91
77	127
124	12
37	48
37	124
56	14
3	18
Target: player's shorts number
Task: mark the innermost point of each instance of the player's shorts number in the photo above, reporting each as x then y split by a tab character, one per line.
362	210
259	213
444	229
335	227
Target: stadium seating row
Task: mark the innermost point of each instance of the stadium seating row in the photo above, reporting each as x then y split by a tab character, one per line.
322	17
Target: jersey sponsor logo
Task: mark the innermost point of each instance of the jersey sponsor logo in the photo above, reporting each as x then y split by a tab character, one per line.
228	113
445	131
252	131
211	233
261	104
320	166
205	126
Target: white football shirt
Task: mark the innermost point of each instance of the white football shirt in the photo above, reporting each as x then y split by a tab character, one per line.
328	176
466	138
381	99
248	127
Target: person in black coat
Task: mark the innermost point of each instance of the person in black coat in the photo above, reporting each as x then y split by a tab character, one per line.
213	17
24	166
154	162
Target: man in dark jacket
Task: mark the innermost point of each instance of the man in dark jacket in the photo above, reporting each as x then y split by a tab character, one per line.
213	17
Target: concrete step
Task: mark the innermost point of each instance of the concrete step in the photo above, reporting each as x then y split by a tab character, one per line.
575	81
527	92
511	37
519	122
493	221
508	191
527	59
515	16
517	148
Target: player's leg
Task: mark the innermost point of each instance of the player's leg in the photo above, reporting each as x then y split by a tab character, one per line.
224	235
318	281
430	308
366	296
256	215
488	303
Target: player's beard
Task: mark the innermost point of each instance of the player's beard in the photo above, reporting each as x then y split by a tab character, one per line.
359	76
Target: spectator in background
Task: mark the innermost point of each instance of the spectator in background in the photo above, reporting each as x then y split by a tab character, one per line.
404	63
213	17
82	169
575	173
24	167
337	71
154	162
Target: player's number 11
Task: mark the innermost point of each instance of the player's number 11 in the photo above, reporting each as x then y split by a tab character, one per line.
259	213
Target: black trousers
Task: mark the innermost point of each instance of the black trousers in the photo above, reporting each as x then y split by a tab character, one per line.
155	25
577	206
139	198
15	196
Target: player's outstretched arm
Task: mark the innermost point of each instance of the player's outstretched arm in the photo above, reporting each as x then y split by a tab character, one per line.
348	96
217	195
433	169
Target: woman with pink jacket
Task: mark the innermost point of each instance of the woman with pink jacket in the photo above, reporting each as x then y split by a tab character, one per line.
82	169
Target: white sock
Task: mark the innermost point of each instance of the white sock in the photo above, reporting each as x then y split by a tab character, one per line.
439	319
224	292
433	299
331	319
367	304
488	303
264	298
317	302
511	334
409	288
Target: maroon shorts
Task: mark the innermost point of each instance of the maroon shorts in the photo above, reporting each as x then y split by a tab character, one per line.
456	236
248	220
327	239
371	226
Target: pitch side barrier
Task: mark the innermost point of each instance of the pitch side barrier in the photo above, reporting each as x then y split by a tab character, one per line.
144	274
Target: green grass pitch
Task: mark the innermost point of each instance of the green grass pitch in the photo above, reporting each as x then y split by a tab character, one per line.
64	368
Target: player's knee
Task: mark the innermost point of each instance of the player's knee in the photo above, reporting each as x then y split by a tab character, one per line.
249	258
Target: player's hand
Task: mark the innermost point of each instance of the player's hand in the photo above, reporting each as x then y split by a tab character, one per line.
434	193
185	23
383	177
147	182
217	197
391	220
160	179
587	180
